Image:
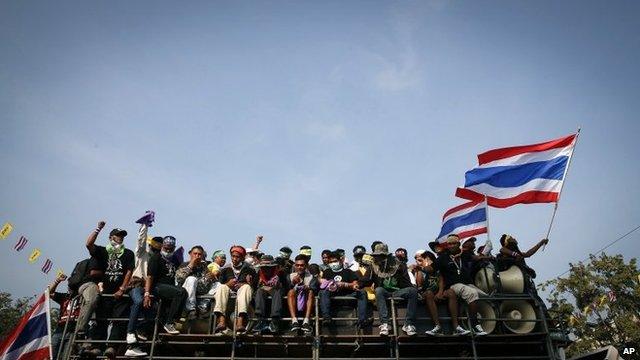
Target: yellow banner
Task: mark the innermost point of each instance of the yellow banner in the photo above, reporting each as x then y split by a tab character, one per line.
59	272
34	255
7	228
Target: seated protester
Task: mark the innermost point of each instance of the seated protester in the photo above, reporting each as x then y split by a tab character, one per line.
342	258
402	256
454	270
284	260
117	262
161	273
390	278
240	279
338	281
430	284
474	261
510	254
84	281
195	277
325	259
215	267
362	266
271	281
145	247
300	297
67	312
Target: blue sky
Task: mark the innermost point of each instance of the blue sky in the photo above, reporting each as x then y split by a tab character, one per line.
321	123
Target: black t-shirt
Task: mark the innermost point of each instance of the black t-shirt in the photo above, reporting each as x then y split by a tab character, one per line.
114	267
161	270
453	272
344	275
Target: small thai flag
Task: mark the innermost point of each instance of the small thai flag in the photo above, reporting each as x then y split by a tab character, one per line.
466	220
22	242
612	296
521	174
47	266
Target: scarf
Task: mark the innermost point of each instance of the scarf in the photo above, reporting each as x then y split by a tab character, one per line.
113	253
269	277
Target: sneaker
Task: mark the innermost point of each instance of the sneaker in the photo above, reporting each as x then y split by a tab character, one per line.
169	328
131	338
409	330
384	329
135	351
273	327
479	331
437	330
295	327
307	329
110	353
260	327
460	331
141	335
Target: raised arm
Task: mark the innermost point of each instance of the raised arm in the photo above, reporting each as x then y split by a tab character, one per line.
60	278
259	238
91	239
141	245
534	249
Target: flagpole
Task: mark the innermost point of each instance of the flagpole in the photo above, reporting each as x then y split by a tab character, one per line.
48	311
486	204
564	179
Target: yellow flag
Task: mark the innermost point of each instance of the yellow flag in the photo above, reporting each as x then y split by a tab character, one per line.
587	310
59	272
34	255
7	228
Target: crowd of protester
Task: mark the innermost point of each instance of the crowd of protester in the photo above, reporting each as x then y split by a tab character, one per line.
190	289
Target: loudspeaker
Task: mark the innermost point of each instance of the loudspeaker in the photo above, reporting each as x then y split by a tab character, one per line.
484	279
512	280
518	310
486	310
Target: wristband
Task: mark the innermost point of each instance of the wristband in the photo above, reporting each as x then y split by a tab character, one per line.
97	230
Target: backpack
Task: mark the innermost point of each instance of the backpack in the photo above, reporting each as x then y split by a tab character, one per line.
78	275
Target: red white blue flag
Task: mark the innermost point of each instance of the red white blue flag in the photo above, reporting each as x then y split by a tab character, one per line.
466	220
521	174
30	338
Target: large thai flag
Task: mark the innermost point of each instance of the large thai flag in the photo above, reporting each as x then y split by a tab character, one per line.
466	220
30	339
520	174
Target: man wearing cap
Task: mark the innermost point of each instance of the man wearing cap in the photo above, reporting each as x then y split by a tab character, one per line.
300	297
391	279
117	263
195	277
145	247
239	278
455	272
338	281
161	273
270	282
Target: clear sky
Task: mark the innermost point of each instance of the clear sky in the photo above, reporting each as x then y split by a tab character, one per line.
327	123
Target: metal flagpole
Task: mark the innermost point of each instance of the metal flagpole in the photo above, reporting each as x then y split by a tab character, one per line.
564	178
48	311
486	205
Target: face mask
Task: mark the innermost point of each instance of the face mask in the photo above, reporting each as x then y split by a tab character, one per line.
166	254
335	266
115	245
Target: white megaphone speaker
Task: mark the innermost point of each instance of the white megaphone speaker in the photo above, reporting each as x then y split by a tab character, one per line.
516	310
487	311
484	279
512	280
